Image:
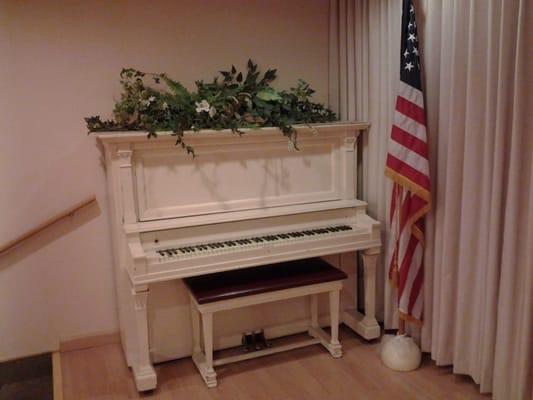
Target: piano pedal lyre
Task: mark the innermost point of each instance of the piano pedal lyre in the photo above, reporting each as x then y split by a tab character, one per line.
256	340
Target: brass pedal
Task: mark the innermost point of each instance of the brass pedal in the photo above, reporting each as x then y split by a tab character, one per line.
260	340
248	342
253	341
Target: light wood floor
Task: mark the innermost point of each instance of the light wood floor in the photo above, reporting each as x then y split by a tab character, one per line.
304	374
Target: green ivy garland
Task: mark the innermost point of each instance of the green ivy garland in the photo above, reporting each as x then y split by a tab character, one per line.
231	101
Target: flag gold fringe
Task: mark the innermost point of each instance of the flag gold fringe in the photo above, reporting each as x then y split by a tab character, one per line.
407	183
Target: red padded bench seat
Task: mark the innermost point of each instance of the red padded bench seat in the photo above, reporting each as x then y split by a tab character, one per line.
250	286
250	281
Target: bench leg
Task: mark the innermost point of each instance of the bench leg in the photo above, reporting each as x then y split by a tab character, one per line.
335	346
330	342
314	310
334	316
195	322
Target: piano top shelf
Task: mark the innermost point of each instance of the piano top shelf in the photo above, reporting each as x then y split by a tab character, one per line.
136	136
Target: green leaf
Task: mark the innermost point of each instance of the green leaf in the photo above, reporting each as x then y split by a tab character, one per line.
249	104
270	75
269	94
177	88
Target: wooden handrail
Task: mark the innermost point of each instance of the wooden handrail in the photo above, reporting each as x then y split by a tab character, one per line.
15	242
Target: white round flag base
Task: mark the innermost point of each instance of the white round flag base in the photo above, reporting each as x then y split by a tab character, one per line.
400	353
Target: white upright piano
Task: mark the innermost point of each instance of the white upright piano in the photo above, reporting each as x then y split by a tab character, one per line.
175	216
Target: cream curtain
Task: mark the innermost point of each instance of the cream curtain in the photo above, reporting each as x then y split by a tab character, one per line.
478	80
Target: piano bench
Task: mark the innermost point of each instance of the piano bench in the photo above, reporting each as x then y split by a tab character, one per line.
246	287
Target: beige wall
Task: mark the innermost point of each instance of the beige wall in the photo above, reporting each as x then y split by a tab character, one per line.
59	62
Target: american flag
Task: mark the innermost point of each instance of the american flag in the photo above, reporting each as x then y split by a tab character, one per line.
407	165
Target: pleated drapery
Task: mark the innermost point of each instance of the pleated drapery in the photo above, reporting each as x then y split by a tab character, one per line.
479	255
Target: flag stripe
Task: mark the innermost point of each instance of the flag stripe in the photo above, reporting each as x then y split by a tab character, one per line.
406	259
411	110
406	170
412	142
410	271
411	93
407	124
417	307
409	157
416	288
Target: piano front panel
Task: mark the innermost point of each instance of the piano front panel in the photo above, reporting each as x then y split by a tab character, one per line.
237	176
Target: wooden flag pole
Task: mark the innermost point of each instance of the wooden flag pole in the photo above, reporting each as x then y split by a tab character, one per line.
401	326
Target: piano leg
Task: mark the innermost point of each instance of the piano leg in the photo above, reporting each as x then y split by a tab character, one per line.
143	371
366	325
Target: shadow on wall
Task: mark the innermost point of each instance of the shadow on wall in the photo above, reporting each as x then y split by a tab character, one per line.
49	234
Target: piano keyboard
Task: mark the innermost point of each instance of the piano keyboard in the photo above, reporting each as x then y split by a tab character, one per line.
251	242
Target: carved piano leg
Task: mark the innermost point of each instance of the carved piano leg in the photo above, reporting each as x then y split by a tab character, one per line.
366	325
143	371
